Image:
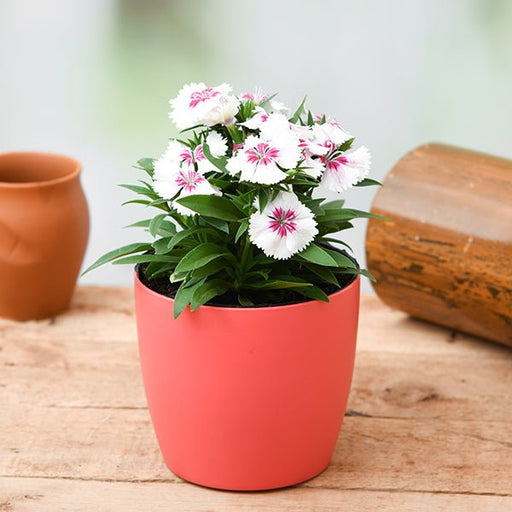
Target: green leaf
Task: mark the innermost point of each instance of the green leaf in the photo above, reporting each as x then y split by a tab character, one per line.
368	182
325	228
360	214
346	214
315	205
154	225
146	258
367	274
346	145
335	216
159	202
212	206
195	127
258	275
220	162
209	269
341	260
316	254
182	235
218	182
263	198
313	292
323	273
156	268
334	205
267	100
140	224
147	164
118	253
331	240
241	230
166	227
244	301
221	225
184	295
176	277
300	110
138	189
279	284
199	256
160	245
137	201
207	291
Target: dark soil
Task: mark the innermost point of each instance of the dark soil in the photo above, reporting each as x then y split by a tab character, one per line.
163	286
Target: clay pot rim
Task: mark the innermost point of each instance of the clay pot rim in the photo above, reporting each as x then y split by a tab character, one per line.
77	169
248	309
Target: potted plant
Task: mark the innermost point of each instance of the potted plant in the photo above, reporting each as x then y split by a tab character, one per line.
246	308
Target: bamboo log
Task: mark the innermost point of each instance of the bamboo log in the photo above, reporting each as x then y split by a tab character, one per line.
446	253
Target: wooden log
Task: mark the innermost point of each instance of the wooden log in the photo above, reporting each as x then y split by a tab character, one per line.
446	253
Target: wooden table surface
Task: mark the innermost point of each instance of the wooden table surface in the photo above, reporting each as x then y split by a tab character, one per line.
429	425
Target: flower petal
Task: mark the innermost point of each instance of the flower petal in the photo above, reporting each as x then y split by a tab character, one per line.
283	228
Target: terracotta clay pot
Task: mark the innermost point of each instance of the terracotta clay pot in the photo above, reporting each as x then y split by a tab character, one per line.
44	226
247	398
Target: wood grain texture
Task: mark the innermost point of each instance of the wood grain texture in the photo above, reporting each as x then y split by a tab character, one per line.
56	495
428	425
446	254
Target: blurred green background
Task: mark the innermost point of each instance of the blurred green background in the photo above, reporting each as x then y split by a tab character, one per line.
92	79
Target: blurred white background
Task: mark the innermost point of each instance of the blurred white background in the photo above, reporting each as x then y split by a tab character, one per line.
91	78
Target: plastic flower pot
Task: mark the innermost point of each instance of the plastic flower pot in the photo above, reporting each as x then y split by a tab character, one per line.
247	398
44	227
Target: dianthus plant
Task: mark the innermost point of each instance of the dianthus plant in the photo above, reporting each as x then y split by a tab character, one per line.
240	215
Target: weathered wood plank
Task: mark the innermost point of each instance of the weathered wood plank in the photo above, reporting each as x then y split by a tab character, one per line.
99	374
107	314
429	413
384	329
43	495
372	453
70	374
97	313
65	365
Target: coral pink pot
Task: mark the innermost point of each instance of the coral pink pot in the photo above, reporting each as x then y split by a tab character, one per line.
247	398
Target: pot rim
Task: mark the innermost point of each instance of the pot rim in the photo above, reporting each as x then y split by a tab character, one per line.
348	287
77	169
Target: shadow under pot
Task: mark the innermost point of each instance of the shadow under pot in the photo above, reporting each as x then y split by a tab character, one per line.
44	227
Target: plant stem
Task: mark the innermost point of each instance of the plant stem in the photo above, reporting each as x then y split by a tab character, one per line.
245	254
235	134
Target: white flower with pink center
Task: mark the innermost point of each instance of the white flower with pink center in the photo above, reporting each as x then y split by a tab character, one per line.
196	156
175	176
326	137
343	170
217	144
276	126
277	106
312	166
261	160
284	228
255	122
197	104
182	155
257	96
